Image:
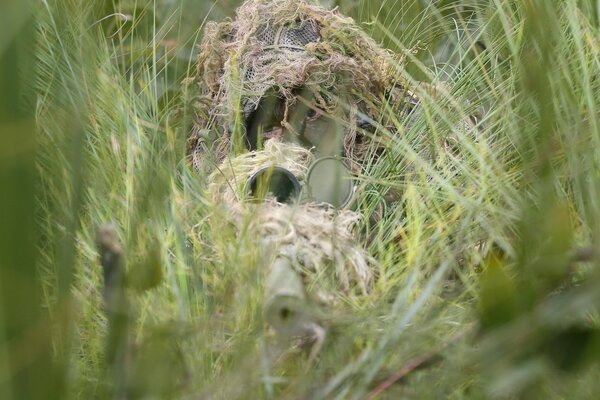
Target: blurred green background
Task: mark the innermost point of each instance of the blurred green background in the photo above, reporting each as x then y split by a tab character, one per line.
489	283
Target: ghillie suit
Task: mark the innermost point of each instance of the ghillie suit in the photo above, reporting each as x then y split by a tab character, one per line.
283	85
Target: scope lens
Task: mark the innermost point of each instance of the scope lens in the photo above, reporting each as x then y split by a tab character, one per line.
275	182
330	181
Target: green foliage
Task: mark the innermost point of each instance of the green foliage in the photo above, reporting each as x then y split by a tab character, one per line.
489	279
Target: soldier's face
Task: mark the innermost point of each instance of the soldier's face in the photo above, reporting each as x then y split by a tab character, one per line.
304	123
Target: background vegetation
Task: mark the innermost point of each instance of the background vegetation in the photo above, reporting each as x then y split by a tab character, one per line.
489	281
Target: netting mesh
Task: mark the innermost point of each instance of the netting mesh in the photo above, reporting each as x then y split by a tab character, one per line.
293	37
266	35
300	36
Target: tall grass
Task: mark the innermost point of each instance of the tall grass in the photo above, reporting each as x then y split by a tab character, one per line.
488	285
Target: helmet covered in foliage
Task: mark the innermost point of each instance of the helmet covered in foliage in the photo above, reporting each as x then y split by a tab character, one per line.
295	71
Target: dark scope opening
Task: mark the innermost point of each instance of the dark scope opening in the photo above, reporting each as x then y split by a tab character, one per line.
277	182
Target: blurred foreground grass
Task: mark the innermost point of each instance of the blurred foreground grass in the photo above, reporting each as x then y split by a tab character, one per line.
489	283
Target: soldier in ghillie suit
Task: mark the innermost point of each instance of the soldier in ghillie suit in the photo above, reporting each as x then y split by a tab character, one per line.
291	102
